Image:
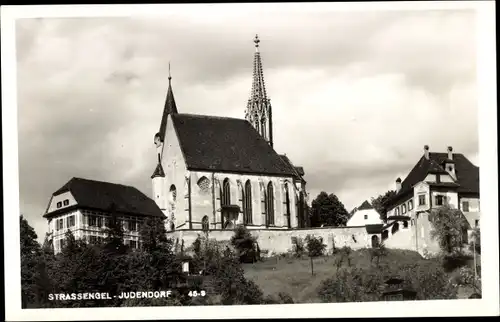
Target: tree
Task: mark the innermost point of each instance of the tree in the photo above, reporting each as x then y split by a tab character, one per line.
475	244
379	203
30	253
327	210
244	243
448	227
114	233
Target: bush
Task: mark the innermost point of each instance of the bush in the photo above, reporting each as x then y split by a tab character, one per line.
344	255
245	244
298	247
281	298
377	252
476	236
315	246
427	278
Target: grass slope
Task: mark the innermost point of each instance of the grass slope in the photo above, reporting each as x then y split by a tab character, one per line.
293	275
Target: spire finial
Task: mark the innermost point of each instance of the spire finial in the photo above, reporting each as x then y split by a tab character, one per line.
169	76
256	41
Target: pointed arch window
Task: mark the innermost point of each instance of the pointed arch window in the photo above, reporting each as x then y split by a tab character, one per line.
204	185
269	197
225	199
287	205
247	203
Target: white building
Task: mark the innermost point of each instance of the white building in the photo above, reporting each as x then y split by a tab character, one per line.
216	172
364	215
84	206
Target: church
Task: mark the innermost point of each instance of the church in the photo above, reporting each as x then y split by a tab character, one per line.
214	173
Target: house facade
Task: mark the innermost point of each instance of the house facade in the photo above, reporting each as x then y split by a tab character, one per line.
364	215
438	179
84	207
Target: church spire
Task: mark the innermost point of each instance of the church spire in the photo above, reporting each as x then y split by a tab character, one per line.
170	107
259	111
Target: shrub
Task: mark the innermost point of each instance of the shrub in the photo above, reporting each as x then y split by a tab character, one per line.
344	255
281	298
299	247
315	246
377	252
245	244
476	241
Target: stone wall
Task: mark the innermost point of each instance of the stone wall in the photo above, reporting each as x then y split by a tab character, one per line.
280	240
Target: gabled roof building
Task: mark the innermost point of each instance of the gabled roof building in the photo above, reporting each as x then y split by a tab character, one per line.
437	179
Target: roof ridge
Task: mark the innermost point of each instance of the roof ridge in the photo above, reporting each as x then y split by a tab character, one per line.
210	116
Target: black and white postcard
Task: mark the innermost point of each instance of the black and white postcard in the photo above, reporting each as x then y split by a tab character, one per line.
235	160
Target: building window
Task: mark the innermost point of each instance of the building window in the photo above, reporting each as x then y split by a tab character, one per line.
95	221
173	193
204	185
366	217
439	200
204	223
225	200
476	223
59	204
410	205
413	222
66	202
247	203
70	221
396	211
133	244
403	208
132	225
465	206
270	205
405	224
60	224
421	200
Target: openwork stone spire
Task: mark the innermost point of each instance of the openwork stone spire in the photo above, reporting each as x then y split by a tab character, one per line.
259	111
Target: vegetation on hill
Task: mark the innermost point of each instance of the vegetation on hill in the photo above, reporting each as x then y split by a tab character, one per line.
112	267
378	203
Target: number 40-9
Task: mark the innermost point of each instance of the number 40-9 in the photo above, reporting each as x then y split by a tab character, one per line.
196	293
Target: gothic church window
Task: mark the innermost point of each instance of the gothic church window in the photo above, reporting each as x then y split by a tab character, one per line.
270	205
225	200
204	185
247	203
287	205
173	193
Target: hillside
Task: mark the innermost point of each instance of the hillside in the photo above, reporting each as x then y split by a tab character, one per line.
293	275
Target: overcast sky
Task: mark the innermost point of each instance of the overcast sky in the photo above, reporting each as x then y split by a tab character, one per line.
355	96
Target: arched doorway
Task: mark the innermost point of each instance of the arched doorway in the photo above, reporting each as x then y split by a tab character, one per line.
375	241
385	235
395	228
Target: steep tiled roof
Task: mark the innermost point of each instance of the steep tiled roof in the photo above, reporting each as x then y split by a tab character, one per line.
170	108
467	173
225	144
299	171
365	205
374	228
103	196
158	171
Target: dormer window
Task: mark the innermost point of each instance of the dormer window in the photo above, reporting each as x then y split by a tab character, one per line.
403	209
66	202
59	204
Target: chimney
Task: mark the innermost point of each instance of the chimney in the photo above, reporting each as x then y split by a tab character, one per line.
426	151
398	184
450	153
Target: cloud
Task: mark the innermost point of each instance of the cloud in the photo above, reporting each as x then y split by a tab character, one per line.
355	95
